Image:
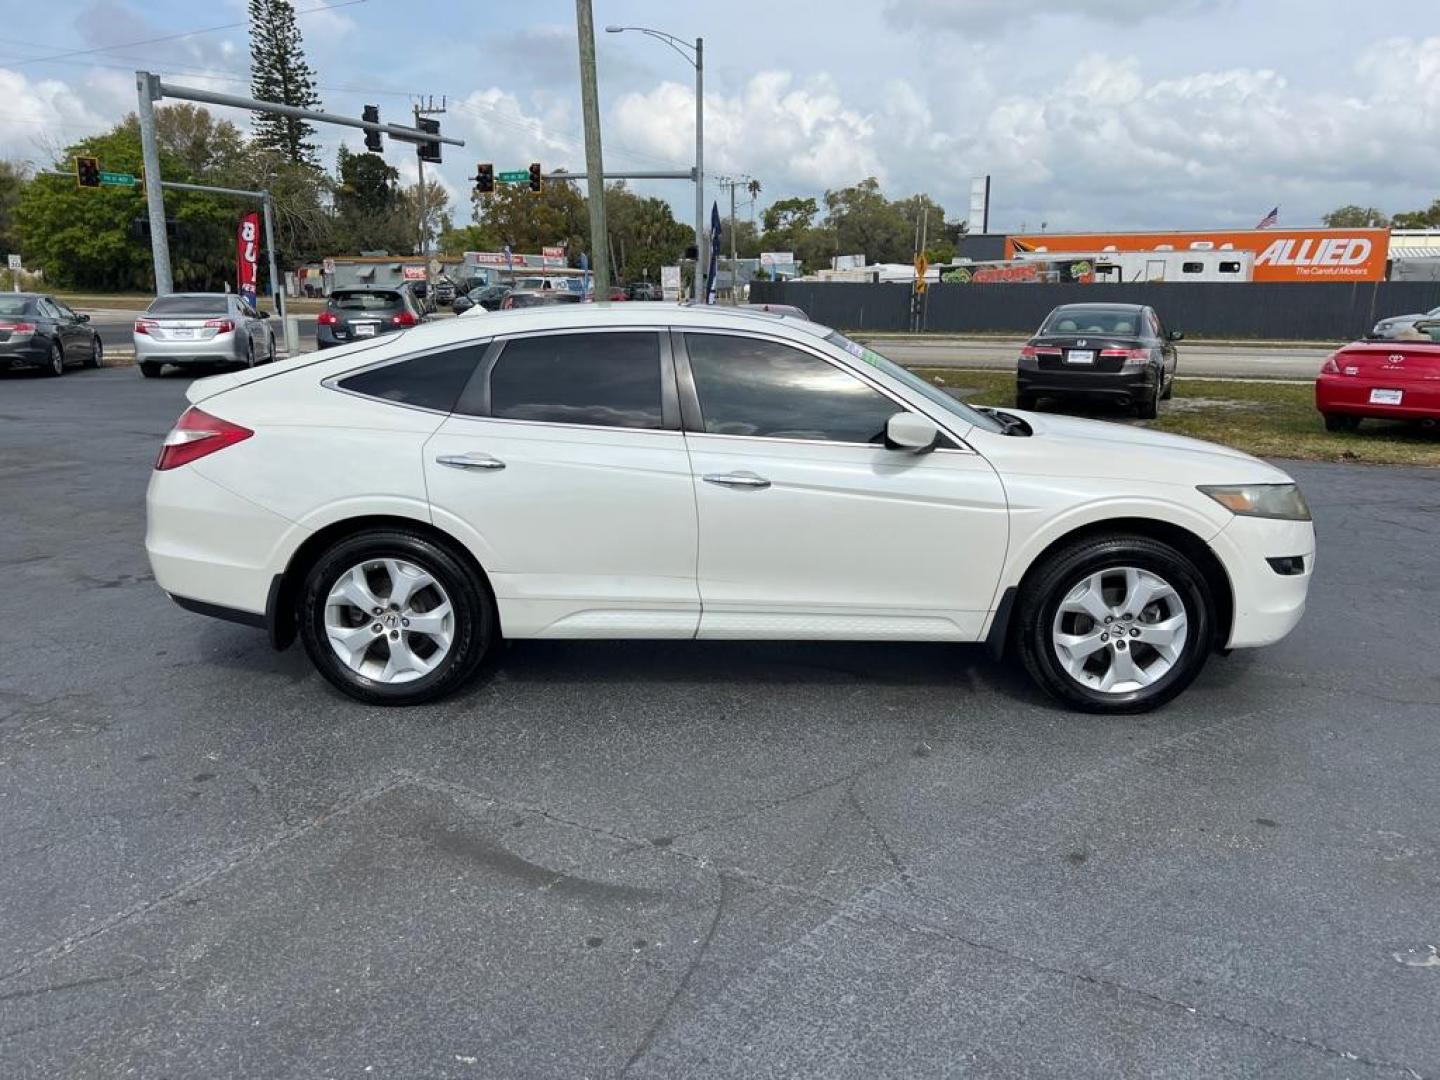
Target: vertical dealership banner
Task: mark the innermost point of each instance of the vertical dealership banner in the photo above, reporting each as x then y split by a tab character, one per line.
714	254
247	257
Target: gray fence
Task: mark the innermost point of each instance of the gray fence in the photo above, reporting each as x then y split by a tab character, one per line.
1262	310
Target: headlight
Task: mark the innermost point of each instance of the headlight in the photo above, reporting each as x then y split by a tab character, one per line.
1261	500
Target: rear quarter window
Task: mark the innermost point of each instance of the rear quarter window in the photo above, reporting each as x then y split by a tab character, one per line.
366	301
432	381
188	305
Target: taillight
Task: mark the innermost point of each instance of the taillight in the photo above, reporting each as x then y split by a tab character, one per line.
1028	350
327	318
1127	354
403	319
196	434
144	326
19	329
1330	367
220	326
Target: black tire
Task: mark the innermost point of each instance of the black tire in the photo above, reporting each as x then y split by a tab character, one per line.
270	357
475	625
150	369
1340	421
97	353
1047	586
55	362
1169	390
1026	400
1149	406
250	353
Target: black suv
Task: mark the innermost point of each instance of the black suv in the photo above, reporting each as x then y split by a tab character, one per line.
1117	351
365	311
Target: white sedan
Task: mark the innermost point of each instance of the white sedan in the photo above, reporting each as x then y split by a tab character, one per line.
632	471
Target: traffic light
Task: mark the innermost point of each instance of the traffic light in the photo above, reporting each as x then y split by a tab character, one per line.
87	172
430	149
374	141
484	178
535	184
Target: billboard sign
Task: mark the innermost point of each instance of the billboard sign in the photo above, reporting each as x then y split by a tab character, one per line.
247	257
411	272
1280	254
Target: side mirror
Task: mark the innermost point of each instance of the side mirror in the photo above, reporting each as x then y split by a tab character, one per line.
262	313
82	318
1176	335
911	432
461	304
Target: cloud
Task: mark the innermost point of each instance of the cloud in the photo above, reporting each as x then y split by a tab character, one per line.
41	116
990	17
497	127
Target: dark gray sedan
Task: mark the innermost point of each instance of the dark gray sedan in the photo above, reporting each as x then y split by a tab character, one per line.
37	330
365	312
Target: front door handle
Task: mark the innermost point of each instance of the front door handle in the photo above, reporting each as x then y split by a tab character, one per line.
471	462
737	479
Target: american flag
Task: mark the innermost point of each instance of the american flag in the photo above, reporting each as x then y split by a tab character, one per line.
1270	219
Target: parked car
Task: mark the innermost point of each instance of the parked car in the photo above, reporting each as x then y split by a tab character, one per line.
445	292
617	293
1121	352
547	282
37	330
201	328
1388	380
486	296
366	312
1402	327
644	472
645	290
523	298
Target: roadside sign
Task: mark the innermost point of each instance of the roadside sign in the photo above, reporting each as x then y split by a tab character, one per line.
517	176
921	265
117	179
412	273
14	261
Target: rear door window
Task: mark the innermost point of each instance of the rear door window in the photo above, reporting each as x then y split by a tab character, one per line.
432	381
603	379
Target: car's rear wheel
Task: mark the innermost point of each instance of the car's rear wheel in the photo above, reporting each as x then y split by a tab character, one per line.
1026	400
149	368
393	618
55	362
1169	390
1340	422
250	353
97	353
1115	624
1148	407
270	356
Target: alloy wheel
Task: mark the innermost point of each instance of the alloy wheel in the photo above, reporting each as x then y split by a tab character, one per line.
1119	630
389	620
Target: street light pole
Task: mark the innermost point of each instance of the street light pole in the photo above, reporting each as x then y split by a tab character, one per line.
698	62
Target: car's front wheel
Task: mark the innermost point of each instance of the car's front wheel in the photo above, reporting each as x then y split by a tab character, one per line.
1117	624
55	363
393	618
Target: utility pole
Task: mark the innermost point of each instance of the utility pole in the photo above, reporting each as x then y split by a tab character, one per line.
732	182
148	87
429	108
701	232
594	165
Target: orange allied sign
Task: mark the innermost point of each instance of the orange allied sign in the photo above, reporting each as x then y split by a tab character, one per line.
1280	254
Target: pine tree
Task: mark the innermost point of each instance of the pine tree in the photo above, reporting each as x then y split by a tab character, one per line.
280	73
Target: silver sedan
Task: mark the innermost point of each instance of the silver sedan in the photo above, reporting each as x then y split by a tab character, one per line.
201	328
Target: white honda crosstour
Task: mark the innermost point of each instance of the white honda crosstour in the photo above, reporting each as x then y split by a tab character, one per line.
637	471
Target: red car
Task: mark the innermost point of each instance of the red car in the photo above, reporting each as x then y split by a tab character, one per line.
1389	380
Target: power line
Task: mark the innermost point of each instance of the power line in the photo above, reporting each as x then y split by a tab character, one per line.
173	37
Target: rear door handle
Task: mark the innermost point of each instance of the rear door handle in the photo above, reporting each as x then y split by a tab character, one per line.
471	462
737	479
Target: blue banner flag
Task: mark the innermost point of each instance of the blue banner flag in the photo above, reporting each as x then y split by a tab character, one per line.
714	253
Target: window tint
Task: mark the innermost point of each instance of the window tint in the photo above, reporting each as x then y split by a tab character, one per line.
1192	268
47	308
608	379
366	301
433	381
183	304
751	387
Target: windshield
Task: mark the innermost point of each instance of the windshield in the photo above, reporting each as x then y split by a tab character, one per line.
180	304
1092	320
930	393
365	301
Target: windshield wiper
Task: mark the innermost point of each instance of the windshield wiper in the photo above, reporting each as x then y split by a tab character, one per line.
1012	425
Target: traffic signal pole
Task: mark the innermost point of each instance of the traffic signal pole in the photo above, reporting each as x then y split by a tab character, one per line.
149	89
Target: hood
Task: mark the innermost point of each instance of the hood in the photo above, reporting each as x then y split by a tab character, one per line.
1068	446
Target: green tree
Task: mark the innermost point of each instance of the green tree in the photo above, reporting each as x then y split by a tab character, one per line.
369	208
13	178
1419	219
208	148
865	221
90	238
305	228
280	73
1356	217
517	216
644	234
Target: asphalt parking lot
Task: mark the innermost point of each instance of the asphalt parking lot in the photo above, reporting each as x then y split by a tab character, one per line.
697	860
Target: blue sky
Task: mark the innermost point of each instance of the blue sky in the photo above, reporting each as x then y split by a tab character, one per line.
1087	113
